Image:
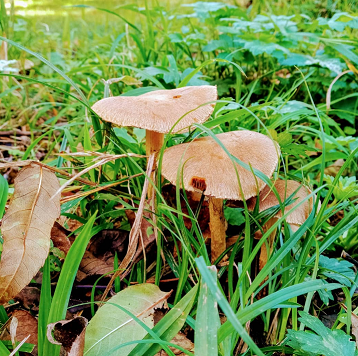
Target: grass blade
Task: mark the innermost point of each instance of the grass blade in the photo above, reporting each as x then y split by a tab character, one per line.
207	319
64	286
225	306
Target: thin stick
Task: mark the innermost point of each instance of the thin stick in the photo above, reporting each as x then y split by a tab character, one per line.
134	234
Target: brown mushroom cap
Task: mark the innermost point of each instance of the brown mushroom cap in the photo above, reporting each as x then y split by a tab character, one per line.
285	189
207	166
159	110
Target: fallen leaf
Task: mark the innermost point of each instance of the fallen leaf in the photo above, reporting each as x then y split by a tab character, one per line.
91	265
22	325
111	326
70	334
99	257
29	297
27	325
181	340
26	228
59	237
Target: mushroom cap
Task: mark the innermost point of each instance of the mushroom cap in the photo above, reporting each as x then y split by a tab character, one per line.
207	166
285	189
159	110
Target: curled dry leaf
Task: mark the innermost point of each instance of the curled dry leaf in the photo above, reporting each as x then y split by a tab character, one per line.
70	334
26	228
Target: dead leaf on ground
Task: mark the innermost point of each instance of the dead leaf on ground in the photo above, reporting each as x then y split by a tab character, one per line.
70	334
22	325
181	340
59	237
91	265
99	257
29	297
26	228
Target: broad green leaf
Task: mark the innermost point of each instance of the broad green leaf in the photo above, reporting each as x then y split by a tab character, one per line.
234	216
340	271
111	326
168	326
325	342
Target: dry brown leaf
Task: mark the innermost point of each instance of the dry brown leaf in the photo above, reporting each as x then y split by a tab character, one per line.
29	297
99	257
26	228
91	265
181	340
27	325
22	325
59	238
70	334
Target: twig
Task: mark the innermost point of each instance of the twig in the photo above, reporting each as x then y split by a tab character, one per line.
134	234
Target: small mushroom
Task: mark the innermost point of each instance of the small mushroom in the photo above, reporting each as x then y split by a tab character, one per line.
267	199
207	168
158	111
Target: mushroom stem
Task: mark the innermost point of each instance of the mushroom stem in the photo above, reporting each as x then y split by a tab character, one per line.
217	228
154	143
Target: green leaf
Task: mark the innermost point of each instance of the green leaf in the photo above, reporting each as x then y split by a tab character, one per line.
207	319
325	342
346	188
3	350
233	320
340	271
4	188
169	325
234	216
111	326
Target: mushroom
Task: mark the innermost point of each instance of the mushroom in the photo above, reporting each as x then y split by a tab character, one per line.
267	199
209	169
158	111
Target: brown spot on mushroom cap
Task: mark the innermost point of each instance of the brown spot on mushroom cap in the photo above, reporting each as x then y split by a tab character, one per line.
285	189
204	158
159	110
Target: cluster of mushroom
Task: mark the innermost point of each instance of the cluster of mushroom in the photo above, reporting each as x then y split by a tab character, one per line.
206	167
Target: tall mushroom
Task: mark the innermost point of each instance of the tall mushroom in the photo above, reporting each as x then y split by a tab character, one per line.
267	199
207	168
158	111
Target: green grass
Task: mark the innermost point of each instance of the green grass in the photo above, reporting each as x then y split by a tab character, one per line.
273	70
